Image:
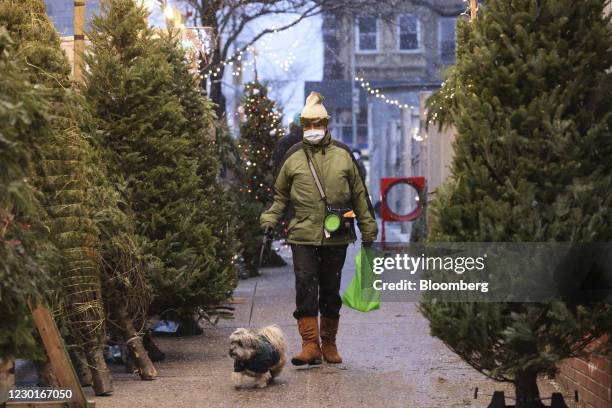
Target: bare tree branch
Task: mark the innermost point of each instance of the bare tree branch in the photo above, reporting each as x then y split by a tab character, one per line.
229	19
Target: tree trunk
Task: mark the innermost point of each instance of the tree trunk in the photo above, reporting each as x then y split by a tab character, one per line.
155	354
82	369
526	390
102	379
128	360
208	17
216	95
7	375
135	347
216	86
46	376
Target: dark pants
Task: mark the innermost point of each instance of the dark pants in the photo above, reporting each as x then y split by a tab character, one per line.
318	270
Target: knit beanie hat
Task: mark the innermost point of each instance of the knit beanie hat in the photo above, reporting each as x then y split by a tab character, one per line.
314	112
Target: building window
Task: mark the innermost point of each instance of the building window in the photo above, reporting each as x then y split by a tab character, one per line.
408	32
447	38
367	33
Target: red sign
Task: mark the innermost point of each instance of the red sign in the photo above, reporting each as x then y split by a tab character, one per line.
386	184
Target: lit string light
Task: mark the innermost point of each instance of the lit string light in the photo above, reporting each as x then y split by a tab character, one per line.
172	14
378	94
239	65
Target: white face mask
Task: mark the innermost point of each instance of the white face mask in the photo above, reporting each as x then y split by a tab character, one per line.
314	136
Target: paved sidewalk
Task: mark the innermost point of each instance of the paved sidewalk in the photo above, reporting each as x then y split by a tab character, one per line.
390	361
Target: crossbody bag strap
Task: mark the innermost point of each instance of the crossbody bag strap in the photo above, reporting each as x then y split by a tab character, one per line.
315	177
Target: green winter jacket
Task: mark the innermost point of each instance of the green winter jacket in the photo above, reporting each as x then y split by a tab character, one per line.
344	188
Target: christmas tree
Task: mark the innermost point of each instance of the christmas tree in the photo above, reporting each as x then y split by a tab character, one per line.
145	134
261	128
66	181
25	252
215	208
529	97
124	285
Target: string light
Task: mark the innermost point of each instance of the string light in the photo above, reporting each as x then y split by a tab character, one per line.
251	154
171	14
262	50
378	94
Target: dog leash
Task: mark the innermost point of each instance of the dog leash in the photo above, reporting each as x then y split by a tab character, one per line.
253	302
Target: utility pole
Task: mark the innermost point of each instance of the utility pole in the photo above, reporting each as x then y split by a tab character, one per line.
79	38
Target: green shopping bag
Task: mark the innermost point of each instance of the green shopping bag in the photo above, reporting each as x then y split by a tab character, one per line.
360	294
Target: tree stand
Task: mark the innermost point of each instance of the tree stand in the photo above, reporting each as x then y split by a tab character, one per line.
498	400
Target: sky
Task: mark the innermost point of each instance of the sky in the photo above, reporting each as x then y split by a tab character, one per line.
284	60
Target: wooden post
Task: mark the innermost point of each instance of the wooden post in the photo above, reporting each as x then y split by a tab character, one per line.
58	357
79	38
473	9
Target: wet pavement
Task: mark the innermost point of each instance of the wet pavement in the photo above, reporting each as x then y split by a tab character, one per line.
390	361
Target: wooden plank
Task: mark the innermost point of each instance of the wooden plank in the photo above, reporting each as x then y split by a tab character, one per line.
58	357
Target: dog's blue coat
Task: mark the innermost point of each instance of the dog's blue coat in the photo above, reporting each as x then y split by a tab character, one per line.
265	358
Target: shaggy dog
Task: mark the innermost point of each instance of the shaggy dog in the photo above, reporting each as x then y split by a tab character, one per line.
259	354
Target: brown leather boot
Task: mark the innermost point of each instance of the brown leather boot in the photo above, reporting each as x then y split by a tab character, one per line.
329	328
311	352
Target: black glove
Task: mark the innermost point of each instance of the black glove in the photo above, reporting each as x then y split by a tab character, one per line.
269	232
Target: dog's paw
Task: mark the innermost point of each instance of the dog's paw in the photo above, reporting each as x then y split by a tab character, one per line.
237	380
263	380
